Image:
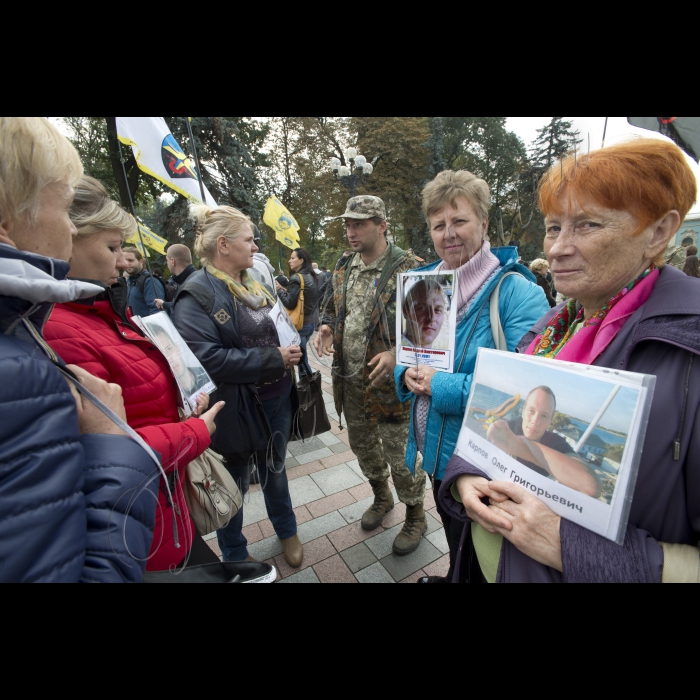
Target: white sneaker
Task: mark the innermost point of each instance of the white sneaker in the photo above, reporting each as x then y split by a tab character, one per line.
268	578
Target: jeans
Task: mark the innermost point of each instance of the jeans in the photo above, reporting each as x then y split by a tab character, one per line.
273	482
306	332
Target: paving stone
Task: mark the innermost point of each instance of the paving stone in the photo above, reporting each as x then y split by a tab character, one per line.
304	490
253	534
354	513
383	544
306	470
362	492
340	448
302	516
433	525
395	517
414	578
266	549
336	479
439	540
400	568
318	455
344	437
308	576
209	538
375	574
358	558
302	448
327	505
350	536
439	568
291	463
328	439
334	460
308	532
334	570
254	509
355	466
314	552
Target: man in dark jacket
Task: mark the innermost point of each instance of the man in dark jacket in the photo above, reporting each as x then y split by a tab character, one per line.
181	268
144	288
77	496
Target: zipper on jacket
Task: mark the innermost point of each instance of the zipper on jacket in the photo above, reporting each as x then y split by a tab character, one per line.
677	445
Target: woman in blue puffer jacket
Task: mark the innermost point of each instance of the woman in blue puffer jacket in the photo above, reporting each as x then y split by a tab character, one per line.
77	496
456	206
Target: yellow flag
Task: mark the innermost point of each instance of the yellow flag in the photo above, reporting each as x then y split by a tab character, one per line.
280	220
150	239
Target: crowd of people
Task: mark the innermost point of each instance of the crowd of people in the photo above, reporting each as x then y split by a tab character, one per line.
95	445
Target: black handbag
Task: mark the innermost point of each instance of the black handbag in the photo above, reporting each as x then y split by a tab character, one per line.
310	416
224	572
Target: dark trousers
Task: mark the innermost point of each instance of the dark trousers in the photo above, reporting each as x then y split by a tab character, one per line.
453	530
306	332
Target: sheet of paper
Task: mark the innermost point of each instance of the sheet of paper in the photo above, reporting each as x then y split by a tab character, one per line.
286	330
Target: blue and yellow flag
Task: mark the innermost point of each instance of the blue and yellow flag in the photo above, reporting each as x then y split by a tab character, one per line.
280	220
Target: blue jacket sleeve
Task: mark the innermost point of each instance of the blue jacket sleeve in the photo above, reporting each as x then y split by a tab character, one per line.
121	492
401	389
522	304
153	290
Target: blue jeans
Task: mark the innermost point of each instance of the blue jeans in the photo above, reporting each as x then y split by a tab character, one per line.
273	482
306	332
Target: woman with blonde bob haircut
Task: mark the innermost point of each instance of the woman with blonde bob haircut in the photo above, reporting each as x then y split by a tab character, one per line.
223	314
609	219
456	207
98	335
72	496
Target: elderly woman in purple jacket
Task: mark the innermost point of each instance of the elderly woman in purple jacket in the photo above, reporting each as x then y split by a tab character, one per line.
609	220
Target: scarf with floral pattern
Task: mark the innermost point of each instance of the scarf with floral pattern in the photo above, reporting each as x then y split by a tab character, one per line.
563	341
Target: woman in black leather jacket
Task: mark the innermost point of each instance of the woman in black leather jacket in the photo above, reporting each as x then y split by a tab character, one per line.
224	316
302	266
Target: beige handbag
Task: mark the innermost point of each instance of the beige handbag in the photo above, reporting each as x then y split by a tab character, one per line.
213	497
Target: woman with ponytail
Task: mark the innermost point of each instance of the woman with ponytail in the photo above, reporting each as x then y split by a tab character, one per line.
224	316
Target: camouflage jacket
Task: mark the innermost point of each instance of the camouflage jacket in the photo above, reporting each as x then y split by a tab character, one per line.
382	405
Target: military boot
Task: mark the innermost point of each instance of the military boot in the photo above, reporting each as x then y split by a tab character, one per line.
383	504
414	528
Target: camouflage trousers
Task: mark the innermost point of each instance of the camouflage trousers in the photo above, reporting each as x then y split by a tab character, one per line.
381	449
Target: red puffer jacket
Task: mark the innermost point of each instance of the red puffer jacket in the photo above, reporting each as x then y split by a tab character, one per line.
94	337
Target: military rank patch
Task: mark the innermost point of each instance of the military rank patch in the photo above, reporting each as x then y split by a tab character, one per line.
222	317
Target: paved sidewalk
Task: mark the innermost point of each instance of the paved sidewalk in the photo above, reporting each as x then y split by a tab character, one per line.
330	495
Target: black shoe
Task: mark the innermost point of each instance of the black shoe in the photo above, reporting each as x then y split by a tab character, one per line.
432	579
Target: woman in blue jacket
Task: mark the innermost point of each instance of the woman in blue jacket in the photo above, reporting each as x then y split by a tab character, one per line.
77	496
456	206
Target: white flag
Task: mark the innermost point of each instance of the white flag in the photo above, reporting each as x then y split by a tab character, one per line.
159	155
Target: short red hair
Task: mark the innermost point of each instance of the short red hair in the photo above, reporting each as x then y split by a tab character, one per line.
646	177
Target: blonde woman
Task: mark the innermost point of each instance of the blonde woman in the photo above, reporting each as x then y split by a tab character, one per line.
97	335
540	268
224	316
69	477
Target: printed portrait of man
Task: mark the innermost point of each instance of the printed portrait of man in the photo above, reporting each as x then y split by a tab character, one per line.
530	441
425	310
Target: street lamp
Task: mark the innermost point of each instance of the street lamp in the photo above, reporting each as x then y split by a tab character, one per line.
356	174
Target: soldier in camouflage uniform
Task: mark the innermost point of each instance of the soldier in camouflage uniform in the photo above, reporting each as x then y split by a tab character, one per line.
360	332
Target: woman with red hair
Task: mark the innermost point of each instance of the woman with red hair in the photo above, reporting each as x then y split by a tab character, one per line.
610	217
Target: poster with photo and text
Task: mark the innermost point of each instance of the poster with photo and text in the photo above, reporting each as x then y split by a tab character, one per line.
572	435
426	320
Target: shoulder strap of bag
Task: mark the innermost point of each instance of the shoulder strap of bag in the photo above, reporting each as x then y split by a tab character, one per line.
499	336
73	380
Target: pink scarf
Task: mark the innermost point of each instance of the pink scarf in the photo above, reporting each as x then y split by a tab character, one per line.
592	340
474	274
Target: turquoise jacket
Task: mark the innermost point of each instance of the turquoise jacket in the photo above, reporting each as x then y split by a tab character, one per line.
522	304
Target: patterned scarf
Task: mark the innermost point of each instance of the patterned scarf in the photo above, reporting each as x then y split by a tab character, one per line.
562	328
251	293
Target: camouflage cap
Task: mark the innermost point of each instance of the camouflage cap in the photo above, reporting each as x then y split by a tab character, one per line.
364	207
676	256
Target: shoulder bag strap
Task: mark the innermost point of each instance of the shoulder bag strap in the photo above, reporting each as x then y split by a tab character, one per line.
499	337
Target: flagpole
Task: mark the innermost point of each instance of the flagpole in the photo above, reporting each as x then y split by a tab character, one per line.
196	161
605	131
133	211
